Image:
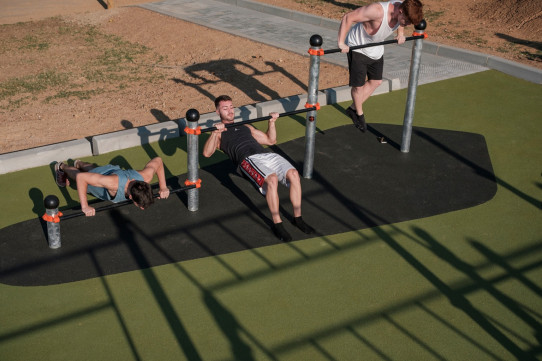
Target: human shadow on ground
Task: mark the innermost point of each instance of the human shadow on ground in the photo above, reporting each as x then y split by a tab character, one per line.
536	45
236	73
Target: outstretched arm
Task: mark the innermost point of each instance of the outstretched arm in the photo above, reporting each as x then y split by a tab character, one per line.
156	166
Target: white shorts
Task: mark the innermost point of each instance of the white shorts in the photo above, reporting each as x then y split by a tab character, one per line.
257	167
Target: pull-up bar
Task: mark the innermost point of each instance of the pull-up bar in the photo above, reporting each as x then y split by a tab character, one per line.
53	217
394	41
267	117
123	203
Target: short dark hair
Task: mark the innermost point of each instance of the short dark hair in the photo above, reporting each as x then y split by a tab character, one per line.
222	98
413	10
141	193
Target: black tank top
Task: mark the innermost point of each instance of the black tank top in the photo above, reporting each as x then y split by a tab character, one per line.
238	143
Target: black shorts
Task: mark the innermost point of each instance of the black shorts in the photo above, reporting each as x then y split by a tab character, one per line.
361	66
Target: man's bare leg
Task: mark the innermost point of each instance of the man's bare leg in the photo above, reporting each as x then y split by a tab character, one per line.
361	93
295	197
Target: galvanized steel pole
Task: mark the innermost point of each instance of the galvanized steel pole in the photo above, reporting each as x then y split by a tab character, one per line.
53	222
310	123
412	87
192	117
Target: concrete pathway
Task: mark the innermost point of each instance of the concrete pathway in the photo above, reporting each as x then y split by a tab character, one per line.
292	30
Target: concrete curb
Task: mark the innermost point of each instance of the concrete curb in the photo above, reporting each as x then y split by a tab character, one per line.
110	142
35	157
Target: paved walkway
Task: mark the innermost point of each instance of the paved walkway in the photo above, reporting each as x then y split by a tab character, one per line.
291	31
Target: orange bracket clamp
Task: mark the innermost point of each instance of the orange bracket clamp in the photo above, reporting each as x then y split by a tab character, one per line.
318	52
196	131
317	105
418	34
190	183
53	219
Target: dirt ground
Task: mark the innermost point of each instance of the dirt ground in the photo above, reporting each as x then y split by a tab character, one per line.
90	71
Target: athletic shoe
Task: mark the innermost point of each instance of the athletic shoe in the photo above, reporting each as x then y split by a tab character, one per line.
60	175
363	125
304	227
77	164
280	232
352	114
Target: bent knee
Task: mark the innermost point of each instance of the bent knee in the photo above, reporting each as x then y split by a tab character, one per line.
375	82
293	176
272	180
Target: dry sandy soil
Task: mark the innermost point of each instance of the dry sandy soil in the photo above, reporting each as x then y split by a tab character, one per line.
90	71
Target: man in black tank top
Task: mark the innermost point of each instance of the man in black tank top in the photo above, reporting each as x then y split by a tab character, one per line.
243	144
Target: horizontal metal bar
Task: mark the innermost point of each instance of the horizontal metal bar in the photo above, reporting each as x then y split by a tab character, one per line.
125	203
267	117
338	50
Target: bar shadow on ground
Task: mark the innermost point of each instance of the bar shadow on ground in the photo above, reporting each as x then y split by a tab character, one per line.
231	327
233	216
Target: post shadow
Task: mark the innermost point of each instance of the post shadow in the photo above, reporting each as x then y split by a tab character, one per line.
36	195
456	298
224	318
224	172
126	229
229	326
116	310
496	259
460	301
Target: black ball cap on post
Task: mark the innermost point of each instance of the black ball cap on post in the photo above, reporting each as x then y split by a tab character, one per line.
192	115
51	202
421	26
316	40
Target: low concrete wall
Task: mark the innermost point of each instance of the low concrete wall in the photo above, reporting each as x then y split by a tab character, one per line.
36	157
128	138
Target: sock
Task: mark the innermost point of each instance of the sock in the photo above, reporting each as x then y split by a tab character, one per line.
280	232
304	227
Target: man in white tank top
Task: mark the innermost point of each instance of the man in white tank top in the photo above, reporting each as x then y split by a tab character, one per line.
372	23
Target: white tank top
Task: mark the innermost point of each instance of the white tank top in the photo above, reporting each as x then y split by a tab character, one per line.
358	36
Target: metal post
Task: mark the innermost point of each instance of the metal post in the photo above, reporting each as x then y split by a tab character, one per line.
412	86
53	225
192	117
310	123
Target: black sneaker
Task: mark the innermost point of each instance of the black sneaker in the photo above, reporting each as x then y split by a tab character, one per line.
60	176
280	232
352	114
362	124
304	227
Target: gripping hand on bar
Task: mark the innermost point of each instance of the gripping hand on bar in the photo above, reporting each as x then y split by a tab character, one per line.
268	117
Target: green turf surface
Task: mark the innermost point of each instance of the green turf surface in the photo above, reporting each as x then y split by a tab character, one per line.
464	285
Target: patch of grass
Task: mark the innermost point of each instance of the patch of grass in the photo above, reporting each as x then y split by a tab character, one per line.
431	16
32	84
97	58
31	42
16	103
